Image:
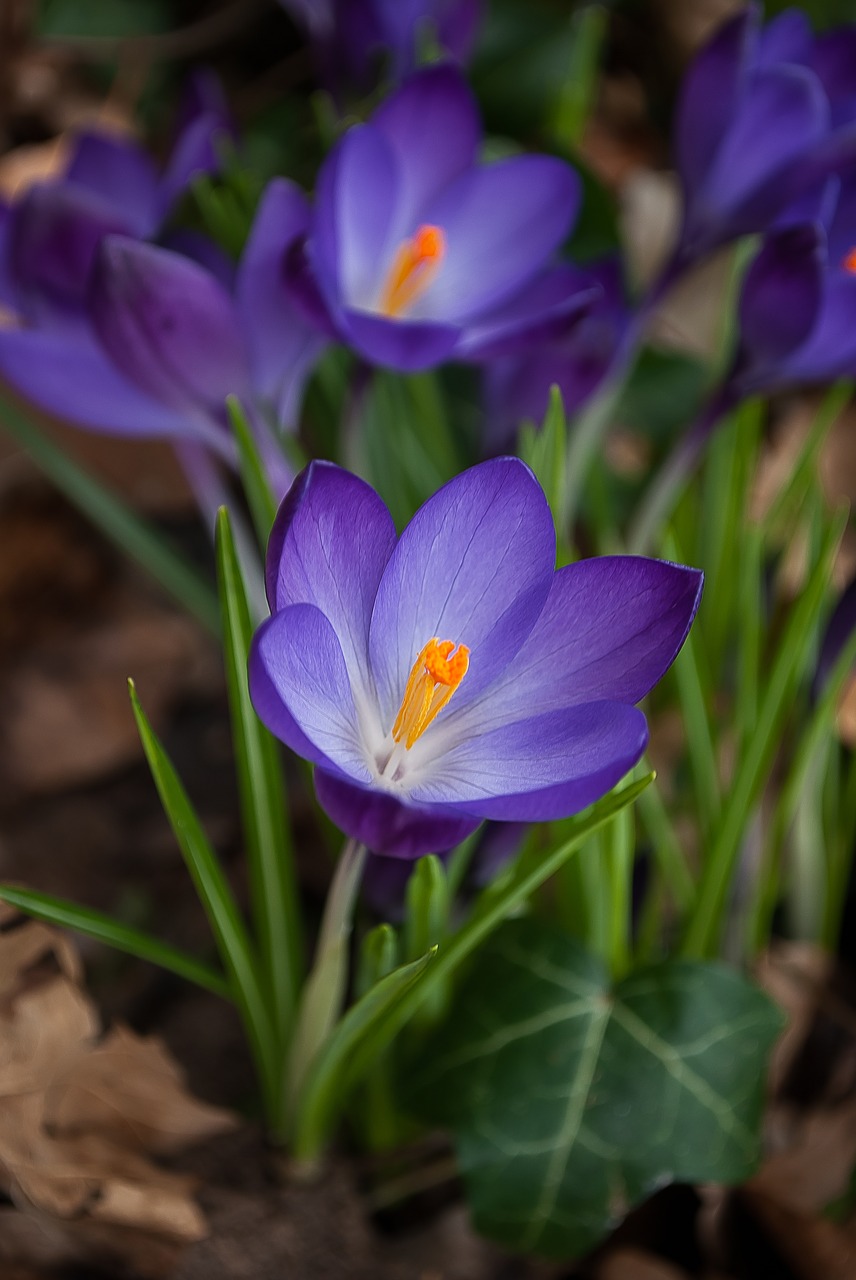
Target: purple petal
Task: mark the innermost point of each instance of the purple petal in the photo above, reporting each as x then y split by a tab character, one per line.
168	324
610	629
195	152
329	546
781	294
549	766
202	249
829	352
72	378
53	236
840	219
8	293
406	345
474	566
787	38
501	224
282	346
432	126
782	116
122	175
357	194
541	311
299	682
385	824
833	59
710	95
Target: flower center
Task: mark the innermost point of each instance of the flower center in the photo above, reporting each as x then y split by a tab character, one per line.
849	262
436	674
413	270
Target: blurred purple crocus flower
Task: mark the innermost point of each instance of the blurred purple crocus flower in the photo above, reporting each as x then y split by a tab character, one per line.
419	254
161	340
798	301
352	37
577	359
765	115
452	674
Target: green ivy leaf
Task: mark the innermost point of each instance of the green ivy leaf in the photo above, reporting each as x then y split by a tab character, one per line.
571	1100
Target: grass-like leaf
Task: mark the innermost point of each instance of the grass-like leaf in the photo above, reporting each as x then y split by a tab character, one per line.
260	498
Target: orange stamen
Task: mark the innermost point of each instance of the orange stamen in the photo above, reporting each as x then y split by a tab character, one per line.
436	674
414	268
849	263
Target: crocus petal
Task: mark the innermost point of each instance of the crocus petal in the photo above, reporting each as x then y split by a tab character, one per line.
829	352
194	244
610	629
279	341
787	38
194	153
783	115
781	294
833	59
329	546
386	825
501	224
298	680
74	379
541	311
121	174
710	95
540	768
407	346
474	566
357	193
53	236
8	293
432	126
168	324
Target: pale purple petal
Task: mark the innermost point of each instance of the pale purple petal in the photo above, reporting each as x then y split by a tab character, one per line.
432	126
121	174
386	825
501	224
545	767
610	629
168	324
357	200
298	677
710	95
73	379
328	547
405	345
474	566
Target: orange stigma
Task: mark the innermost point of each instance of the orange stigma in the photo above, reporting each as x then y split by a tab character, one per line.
849	262
436	674
413	270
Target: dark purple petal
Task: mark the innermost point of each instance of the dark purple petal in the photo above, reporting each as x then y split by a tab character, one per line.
72	378
833	60
474	566
385	824
282	346
298	680
787	38
458	25
542	310
168	324
839	217
432	126
781	294
329	546
8	293
610	629
784	115
53	236
357	195
408	346
501	224
829	352
122	175
195	153
839	629
548	766
711	94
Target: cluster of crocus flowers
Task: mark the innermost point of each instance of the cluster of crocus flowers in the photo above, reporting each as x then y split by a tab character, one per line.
453	674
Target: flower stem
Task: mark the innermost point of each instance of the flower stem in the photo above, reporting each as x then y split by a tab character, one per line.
324	993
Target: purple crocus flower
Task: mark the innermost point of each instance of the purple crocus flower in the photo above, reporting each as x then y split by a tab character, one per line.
798	301
162	340
765	114
352	36
577	359
452	674
418	254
